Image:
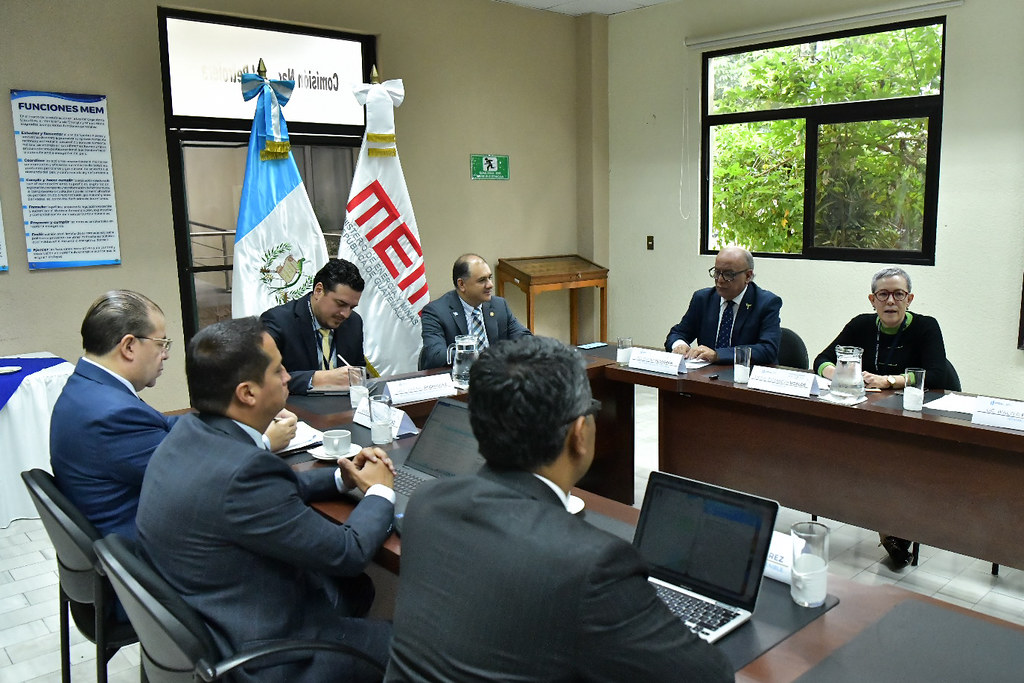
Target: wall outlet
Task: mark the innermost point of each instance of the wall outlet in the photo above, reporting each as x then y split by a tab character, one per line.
650	243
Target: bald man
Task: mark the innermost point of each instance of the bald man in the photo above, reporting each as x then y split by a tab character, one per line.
735	312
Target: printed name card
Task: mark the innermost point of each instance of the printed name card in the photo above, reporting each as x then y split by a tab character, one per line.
420	388
401	424
779	381
998	412
780	558
665	362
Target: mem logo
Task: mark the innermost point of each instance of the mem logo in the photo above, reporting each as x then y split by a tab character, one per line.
281	274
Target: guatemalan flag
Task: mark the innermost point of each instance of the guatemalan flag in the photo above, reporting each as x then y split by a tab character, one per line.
381	238
278	243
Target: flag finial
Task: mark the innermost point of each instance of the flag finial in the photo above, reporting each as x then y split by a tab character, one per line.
374	76
261	70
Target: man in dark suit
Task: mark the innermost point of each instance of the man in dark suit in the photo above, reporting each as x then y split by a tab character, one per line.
470	308
102	434
320	334
735	312
228	524
499	581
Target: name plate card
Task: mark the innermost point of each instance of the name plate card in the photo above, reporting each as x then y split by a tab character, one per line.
998	412
420	388
780	558
401	424
664	362
779	381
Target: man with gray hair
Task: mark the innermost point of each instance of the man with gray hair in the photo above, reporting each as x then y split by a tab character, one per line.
735	312
499	580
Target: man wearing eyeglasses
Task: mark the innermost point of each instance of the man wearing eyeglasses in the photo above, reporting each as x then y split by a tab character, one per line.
735	312
101	433
499	580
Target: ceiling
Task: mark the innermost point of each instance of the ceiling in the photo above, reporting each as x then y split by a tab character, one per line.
577	7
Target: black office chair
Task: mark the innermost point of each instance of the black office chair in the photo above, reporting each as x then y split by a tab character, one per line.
792	350
176	644
83	588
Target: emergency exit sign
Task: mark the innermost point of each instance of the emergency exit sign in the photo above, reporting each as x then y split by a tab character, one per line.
488	166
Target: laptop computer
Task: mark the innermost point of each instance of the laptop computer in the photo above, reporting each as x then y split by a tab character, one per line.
445	447
706	547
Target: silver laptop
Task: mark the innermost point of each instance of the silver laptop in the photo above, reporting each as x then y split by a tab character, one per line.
445	447
706	547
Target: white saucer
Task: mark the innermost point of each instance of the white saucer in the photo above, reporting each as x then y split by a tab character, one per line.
10	369
320	454
575	504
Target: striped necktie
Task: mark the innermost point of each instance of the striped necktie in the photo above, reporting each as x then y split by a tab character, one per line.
476	328
725	327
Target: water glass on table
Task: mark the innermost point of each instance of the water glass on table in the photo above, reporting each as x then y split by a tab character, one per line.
809	578
623	350
357	389
380	419
741	365
913	392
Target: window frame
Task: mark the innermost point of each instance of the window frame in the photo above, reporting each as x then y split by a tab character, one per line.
928	107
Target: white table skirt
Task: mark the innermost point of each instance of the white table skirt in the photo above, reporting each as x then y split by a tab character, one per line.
25	436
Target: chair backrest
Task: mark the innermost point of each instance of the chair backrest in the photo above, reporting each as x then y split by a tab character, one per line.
952	378
792	350
172	635
70	532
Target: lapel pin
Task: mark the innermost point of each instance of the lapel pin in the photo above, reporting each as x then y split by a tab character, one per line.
748	306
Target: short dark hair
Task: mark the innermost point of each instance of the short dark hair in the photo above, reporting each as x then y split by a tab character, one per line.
524	395
338	271
461	268
112	316
222	356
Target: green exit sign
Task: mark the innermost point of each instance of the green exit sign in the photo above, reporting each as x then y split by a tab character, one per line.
488	167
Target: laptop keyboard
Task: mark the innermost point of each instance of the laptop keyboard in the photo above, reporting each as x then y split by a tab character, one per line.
700	616
405	482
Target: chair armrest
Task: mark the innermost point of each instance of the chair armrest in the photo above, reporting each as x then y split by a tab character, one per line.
214	672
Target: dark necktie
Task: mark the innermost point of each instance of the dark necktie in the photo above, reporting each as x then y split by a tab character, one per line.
725	327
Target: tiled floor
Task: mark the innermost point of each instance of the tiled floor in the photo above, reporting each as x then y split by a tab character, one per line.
30	646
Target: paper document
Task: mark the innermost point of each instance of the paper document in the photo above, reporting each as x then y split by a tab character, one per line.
305	437
953	403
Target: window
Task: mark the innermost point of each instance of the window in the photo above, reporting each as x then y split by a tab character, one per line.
827	147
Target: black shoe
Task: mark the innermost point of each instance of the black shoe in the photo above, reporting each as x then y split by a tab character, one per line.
899	551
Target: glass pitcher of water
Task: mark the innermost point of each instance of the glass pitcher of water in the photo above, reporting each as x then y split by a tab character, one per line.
461	355
848	382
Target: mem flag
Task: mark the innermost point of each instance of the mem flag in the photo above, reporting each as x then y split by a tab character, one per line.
278	243
381	238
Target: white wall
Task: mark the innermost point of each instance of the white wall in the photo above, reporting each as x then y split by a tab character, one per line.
974	289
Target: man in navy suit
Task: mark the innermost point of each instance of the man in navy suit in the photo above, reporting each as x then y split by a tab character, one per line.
228	524
453	314
102	434
499	581
735	312
320	334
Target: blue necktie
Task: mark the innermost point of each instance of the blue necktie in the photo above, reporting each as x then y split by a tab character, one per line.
476	328
725	327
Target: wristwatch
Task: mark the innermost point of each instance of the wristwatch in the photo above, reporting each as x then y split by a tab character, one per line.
891	380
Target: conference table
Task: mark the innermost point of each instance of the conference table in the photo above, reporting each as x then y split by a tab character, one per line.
611	474
860	607
928	476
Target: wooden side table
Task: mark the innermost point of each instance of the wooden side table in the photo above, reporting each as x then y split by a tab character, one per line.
551	273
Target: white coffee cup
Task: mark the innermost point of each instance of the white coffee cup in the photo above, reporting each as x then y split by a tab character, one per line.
337	442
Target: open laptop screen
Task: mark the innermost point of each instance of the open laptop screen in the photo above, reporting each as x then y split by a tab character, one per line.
708	539
446	447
